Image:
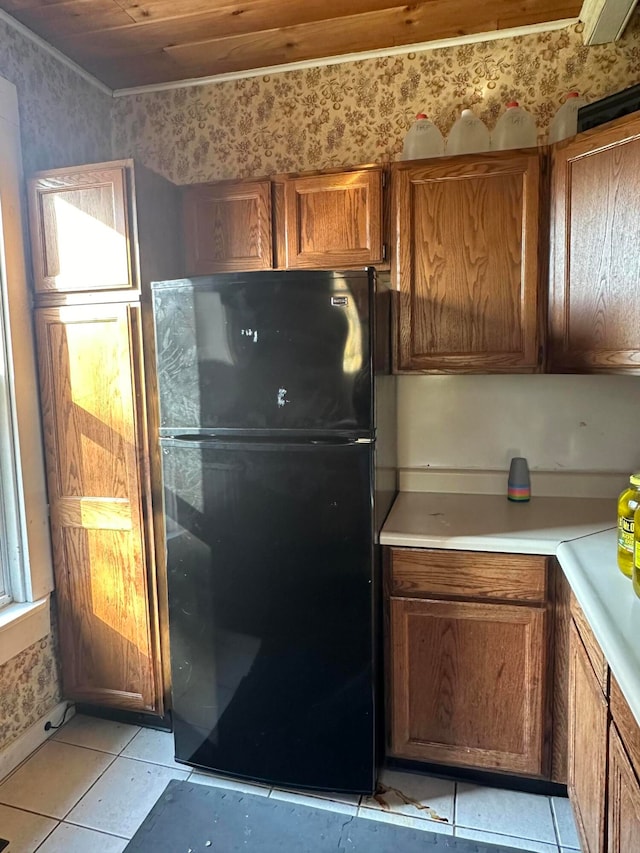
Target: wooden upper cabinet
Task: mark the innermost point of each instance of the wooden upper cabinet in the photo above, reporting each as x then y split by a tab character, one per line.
466	262
334	220
227	227
97	472
594	310
80	231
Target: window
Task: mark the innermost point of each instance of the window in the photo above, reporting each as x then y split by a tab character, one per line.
10	544
26	577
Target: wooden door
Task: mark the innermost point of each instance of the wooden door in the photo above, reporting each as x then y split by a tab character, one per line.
468	684
623	799
466	263
334	221
80	230
594	310
89	361
587	752
227	227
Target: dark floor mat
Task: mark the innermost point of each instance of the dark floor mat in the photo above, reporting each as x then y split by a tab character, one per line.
203	819
3	843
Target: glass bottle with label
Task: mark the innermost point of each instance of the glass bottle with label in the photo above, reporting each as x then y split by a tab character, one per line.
636	553
628	503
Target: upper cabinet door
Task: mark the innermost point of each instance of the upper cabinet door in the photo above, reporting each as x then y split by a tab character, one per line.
595	263
466	263
228	227
79	221
334	221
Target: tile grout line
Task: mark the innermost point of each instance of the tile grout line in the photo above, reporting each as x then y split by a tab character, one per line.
48	835
95	782
554	820
455	807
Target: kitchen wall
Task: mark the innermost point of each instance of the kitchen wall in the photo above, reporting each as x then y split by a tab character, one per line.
583	424
64	120
358	112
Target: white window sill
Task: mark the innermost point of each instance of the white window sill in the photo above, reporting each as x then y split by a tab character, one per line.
22	625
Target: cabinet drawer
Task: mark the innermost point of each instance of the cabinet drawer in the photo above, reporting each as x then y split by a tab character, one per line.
593	650
422	572
626	724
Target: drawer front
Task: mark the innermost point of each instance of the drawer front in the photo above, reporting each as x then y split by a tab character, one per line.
593	650
426	573
626	724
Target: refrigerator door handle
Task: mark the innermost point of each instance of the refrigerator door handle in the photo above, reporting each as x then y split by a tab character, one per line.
260	442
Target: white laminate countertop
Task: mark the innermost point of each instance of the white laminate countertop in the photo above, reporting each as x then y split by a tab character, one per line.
580	532
493	523
610	605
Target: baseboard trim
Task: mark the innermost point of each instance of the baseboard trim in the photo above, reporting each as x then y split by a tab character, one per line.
29	741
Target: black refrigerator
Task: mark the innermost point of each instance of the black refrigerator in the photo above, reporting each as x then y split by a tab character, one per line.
277	436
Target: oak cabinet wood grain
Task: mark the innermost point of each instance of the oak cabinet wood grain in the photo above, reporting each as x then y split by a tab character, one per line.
623	804
100	421
623	793
91	375
334	220
587	751
80	228
227	227
467	263
468	679
561	615
594	312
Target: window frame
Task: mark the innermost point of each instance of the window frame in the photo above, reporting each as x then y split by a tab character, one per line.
25	619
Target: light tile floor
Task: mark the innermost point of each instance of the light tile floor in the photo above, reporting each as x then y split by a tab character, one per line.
91	785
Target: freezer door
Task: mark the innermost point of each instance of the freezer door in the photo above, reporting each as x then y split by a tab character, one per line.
271	611
265	351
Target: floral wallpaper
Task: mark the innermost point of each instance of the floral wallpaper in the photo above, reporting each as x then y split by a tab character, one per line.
29	687
63	118
358	112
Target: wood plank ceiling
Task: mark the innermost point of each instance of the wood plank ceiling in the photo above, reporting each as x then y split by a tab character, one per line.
127	43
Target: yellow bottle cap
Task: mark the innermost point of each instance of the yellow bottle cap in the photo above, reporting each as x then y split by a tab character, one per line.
634	479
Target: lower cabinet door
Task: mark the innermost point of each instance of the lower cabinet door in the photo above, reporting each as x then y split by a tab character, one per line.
90	369
468	684
623	811
587	751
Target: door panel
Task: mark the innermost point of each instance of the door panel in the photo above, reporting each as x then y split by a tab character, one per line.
587	754
468	684
86	359
281	350
594	311
79	222
271	596
623	797
228	227
468	299
334	221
